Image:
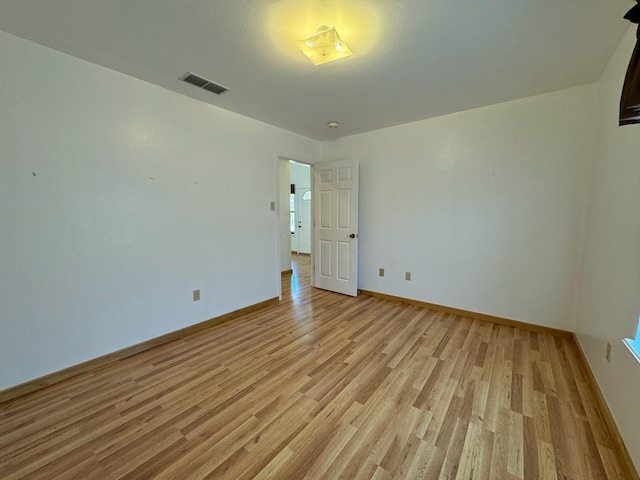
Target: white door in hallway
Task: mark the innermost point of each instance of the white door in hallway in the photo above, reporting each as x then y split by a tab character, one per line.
336	226
304	220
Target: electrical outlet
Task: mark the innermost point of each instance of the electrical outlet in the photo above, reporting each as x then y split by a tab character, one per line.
381	272
608	354
196	295
407	275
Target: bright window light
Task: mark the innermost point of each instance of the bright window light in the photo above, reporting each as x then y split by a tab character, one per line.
634	343
292	211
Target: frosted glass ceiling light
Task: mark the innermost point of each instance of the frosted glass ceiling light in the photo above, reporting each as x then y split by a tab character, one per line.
325	46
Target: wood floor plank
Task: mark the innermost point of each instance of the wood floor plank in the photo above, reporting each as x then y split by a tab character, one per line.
322	386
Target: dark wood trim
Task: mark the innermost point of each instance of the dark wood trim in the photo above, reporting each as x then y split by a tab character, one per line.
467	313
59	376
618	443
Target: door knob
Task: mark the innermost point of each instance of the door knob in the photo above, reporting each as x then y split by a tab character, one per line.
353	235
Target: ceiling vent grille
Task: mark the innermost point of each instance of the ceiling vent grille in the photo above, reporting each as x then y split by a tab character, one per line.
203	83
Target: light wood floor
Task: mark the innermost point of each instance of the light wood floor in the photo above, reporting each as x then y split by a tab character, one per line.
321	386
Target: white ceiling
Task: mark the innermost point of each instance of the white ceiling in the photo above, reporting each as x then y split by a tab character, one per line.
413	59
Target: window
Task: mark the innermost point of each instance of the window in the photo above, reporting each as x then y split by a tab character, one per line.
292	210
634	343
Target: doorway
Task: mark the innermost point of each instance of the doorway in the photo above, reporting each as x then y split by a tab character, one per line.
300	208
334	239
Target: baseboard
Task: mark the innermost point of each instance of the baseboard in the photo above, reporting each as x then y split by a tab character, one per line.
284	273
467	313
618	444
56	377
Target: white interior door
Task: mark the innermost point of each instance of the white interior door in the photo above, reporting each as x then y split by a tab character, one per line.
336	226
304	220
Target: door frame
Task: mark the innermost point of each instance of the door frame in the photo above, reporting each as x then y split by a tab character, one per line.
279	212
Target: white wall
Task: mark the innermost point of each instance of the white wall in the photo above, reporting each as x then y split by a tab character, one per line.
140	196
610	287
483	207
301	175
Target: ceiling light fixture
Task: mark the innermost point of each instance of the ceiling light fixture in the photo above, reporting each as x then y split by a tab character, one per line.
333	124
325	46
